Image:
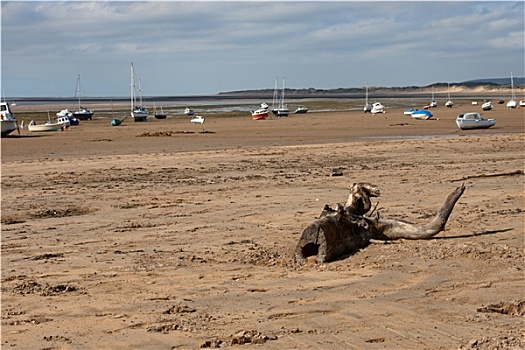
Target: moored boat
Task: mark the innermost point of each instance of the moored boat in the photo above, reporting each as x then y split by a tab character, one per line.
377	107
197	120
261	113
64	113
160	115
449	103
82	113
473	120
189	111
139	113
34	127
8	121
281	110
421	114
487	106
301	110
512	102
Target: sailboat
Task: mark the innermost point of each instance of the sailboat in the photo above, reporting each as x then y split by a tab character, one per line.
449	103
368	106
82	113
139	113
512	102
433	103
281	111
160	115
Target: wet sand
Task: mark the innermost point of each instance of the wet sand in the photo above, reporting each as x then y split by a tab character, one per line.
165	235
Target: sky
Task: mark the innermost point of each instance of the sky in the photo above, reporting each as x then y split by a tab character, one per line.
183	48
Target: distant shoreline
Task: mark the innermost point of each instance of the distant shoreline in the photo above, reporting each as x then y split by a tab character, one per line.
379	93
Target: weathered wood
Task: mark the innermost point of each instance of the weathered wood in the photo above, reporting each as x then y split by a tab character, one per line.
346	229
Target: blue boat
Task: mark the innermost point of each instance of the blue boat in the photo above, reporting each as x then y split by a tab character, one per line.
421	114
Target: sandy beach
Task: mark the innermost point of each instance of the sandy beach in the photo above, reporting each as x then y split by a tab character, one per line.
168	235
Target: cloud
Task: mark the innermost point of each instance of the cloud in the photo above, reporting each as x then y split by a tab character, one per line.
193	47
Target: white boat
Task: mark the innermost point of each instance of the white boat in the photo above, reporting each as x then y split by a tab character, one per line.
449	103
512	103
64	113
197	119
139	113
34	127
65	121
473	120
422	114
82	113
281	110
377	108
8	121
368	106
487	106
301	110
188	111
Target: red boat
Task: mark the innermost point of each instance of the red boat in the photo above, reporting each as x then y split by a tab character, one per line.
259	114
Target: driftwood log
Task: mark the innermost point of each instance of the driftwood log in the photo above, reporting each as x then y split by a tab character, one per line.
345	229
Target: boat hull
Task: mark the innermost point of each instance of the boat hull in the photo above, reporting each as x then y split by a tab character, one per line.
8	126
83	115
139	115
301	110
259	115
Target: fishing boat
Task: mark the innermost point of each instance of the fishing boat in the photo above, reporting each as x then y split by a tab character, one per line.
422	114
60	124
473	120
34	127
8	121
197	120
259	114
82	113
160	115
512	103
487	106
189	111
377	107
281	110
139	113
449	103
368	106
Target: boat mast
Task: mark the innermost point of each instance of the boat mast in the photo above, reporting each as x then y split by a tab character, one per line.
274	99
512	86
140	93
282	97
132	84
78	90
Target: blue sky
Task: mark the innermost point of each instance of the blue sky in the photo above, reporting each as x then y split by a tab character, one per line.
201	48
